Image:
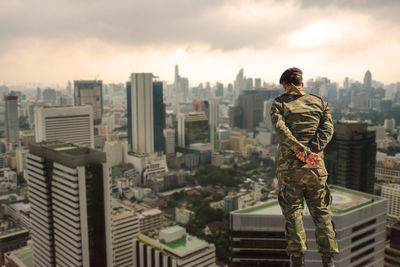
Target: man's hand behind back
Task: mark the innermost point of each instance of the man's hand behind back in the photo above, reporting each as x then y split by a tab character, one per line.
312	160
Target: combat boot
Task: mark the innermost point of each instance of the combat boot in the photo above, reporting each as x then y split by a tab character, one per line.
297	260
327	260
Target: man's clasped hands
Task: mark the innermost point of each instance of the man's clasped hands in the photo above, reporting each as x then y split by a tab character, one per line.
312	160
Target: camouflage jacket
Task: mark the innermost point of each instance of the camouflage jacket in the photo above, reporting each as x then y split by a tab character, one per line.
304	124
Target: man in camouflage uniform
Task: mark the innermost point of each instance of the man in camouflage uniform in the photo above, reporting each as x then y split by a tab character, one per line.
304	126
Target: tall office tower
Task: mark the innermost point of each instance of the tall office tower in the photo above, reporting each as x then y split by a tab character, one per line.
252	106
367	81
146	114
235	117
350	156
174	247
50	95
125	228
169	140
257	82
90	93
257	233
267	117
68	124
392	251
392	193
11	121
159	117
213	122
220	89
38	93
192	128
3	92
239	84
69	193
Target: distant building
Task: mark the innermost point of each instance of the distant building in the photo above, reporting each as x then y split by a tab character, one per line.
67	124
392	193
350	156
257	236
390	124
392	251
192	128
174	247
170	137
69	193
90	92
249	111
387	168
214	122
50	95
11	121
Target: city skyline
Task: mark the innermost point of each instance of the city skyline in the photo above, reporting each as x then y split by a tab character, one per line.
210	41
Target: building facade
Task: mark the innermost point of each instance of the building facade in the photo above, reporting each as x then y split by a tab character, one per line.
192	128
11	121
90	93
351	155
67	124
69	193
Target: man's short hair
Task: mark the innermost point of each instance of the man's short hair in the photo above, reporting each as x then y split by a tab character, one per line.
292	75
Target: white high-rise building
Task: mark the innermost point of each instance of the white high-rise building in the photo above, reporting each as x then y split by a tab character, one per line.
140	113
11	121
214	113
169	141
390	124
392	193
175	248
67	124
125	228
70	198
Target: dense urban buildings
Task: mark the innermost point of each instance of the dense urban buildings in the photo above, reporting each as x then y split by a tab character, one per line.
257	235
392	251
392	193
350	156
90	92
68	124
69	192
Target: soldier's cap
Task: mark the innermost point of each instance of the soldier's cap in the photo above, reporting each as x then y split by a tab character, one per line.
292	75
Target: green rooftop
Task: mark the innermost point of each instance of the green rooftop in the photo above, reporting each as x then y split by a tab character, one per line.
186	244
343	200
25	255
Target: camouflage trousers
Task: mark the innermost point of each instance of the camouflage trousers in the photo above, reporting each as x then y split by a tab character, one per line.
309	184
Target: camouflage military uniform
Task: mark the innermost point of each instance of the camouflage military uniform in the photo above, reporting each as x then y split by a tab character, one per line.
303	124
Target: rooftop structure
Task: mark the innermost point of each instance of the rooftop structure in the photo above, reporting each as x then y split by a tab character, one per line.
175	246
359	220
22	257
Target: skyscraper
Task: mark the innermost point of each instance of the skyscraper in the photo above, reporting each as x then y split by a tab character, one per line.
170	140
192	128
146	114
213	122
90	93
351	155
159	117
69	193
11	121
367	81
251	105
68	124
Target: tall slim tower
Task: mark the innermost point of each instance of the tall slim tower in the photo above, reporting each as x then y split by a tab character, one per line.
11	121
90	93
146	114
69	193
214	121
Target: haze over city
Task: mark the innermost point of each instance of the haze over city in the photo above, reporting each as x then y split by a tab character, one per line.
53	42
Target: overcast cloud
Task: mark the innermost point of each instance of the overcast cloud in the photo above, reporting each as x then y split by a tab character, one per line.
56	41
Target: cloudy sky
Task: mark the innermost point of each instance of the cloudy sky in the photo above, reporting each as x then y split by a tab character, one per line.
55	41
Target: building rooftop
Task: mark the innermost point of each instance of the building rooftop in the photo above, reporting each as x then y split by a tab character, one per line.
67	154
343	201
23	255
